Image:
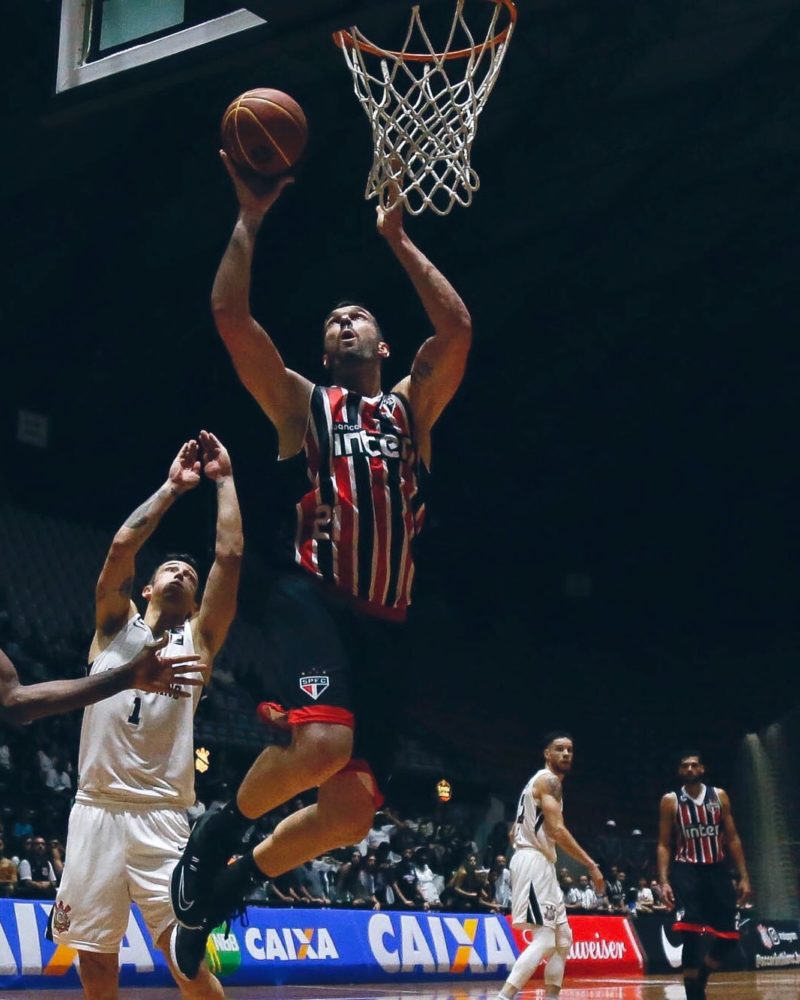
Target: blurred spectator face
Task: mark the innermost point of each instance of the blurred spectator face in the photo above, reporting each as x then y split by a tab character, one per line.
355	857
371	861
408	853
642	883
27	846
583	881
470	862
614	871
621	876
500	862
39	845
567	882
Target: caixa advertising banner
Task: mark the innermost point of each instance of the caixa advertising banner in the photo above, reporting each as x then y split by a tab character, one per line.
277	946
601	946
316	946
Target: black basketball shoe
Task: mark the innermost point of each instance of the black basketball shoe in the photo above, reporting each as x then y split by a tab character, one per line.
209	847
187	948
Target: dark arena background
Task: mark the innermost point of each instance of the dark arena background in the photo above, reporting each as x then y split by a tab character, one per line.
612	542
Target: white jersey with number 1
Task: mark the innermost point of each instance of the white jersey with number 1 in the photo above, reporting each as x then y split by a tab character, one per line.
137	747
529	829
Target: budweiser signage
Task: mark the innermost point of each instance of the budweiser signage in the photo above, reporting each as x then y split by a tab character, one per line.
600	946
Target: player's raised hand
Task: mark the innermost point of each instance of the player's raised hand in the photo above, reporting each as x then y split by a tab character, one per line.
255	193
184	473
214	455
153	672
390	216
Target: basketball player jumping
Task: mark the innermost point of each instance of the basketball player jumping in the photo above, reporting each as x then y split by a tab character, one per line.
700	818
354	458
147	671
136	764
537	903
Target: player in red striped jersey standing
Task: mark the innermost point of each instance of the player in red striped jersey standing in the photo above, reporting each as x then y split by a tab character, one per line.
355	458
699	819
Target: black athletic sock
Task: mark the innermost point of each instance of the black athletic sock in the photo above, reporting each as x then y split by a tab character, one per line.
228	827
693	989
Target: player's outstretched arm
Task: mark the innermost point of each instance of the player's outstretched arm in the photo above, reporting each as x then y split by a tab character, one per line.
548	790
666	821
113	605
439	366
218	606
23	703
282	394
735	847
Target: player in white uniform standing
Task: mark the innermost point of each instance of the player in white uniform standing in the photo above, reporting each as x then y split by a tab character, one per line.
128	826
537	903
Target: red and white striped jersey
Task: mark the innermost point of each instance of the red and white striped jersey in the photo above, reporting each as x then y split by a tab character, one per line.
357	522
698	826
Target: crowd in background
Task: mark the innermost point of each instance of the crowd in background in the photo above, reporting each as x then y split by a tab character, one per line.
430	862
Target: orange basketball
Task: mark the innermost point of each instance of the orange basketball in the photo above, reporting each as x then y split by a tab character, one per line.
264	130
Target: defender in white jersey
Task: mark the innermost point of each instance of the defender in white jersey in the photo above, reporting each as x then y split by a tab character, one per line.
537	903
128	826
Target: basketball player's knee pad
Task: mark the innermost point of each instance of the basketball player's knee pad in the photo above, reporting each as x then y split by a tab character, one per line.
563	939
545	939
539	950
692	950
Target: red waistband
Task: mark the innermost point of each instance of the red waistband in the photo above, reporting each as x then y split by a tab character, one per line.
705	929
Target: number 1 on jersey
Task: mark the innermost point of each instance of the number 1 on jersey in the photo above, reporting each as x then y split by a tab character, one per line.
135	715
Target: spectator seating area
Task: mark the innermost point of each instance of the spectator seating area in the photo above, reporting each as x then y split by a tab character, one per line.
47	578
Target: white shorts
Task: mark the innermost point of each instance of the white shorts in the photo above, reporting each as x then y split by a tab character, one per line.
115	856
536	897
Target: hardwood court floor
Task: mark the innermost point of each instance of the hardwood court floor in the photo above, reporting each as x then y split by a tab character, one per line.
774	985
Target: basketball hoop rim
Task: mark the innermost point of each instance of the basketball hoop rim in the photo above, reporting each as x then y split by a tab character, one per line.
345	39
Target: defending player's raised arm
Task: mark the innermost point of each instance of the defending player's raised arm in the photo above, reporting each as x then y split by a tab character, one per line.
666	823
439	366
113	604
547	789
218	606
735	847
23	703
281	393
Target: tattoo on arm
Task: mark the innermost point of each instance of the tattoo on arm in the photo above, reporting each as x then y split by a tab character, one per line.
552	786
139	518
421	371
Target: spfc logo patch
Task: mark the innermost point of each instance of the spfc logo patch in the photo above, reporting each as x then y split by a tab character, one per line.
313	686
549	912
61	919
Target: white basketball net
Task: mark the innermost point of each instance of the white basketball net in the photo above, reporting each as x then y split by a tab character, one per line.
423	122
